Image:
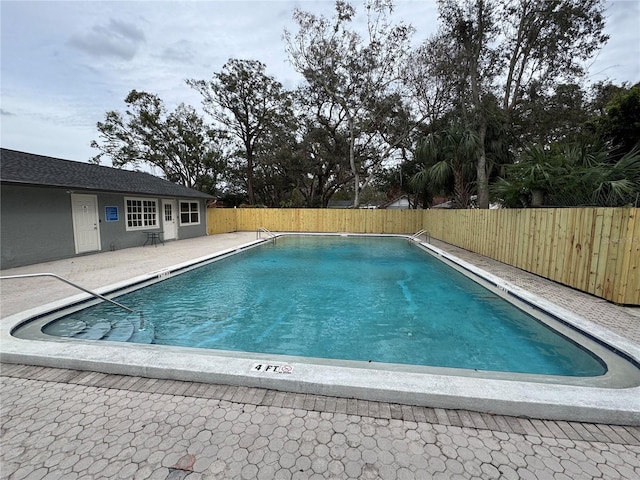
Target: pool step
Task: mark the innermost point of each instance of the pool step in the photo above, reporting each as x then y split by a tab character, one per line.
101	329
144	336
120	332
96	331
65	328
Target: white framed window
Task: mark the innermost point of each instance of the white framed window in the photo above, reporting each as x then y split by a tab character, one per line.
189	213
141	213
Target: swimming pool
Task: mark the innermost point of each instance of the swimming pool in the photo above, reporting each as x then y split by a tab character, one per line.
604	398
367	299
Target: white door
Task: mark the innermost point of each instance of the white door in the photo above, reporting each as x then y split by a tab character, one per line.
86	227
169	225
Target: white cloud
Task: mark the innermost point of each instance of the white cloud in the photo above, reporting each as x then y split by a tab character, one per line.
117	38
64	64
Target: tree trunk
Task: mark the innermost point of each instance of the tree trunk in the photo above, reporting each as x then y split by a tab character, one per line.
352	162
250	178
481	167
461	194
476	85
537	198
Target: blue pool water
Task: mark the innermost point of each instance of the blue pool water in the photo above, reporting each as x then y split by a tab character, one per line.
351	298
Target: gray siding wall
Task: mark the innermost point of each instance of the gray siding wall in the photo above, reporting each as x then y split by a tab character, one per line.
114	235
37	226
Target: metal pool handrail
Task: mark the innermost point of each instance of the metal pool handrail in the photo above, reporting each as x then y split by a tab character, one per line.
97	295
264	230
416	236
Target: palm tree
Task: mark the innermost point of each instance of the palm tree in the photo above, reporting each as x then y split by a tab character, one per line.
530	180
576	175
612	183
448	161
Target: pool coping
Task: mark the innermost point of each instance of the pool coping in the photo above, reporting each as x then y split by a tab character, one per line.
507	397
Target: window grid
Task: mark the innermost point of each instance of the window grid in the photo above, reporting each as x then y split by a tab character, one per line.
189	213
141	213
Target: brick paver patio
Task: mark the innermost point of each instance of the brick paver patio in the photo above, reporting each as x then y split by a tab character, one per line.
65	424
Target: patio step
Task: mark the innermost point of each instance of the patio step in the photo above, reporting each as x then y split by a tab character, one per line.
95	331
120	332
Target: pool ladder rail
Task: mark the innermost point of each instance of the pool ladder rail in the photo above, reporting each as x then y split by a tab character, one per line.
68	282
266	231
416	236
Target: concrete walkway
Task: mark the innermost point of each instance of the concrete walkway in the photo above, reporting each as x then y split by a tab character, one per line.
106	268
58	423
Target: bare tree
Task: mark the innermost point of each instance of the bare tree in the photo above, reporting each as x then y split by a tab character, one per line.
187	150
246	103
358	73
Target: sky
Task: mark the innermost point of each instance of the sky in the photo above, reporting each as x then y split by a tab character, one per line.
64	64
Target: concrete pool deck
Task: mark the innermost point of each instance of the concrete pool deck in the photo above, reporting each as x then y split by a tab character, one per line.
63	423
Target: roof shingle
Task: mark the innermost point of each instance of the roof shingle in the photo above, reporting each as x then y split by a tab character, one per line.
30	169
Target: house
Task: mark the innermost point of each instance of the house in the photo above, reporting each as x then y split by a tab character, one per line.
53	208
398	203
442	203
340	204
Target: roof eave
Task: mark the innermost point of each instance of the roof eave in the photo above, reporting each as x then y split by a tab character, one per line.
102	190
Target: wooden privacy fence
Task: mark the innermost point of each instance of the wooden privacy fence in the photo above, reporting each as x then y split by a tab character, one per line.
596	250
